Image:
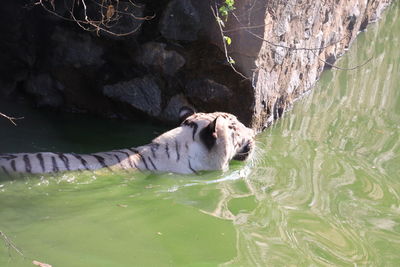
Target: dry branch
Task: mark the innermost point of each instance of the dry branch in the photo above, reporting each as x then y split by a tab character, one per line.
11	119
9	244
340	68
108	14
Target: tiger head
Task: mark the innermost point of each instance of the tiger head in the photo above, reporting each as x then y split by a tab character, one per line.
217	139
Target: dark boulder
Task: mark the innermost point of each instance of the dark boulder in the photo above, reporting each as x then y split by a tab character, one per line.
141	93
180	21
206	93
154	57
47	91
76	49
7	88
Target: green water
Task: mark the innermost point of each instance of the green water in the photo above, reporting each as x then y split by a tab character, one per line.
324	189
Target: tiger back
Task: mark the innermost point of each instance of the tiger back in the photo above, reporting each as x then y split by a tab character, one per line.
203	141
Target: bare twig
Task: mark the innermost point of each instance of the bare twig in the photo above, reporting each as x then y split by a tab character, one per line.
244	27
9	244
11	119
218	19
340	68
108	12
127	13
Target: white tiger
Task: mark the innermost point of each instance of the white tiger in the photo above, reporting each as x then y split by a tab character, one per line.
203	141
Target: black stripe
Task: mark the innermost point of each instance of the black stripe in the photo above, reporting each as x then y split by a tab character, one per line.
195	126
135	152
65	160
144	161
5	170
140	156
8	156
233	136
84	162
55	166
192	125
128	157
190	167
154	166
119	161
41	161
13	165
178	156
136	166
101	161
167	149
27	161
154	147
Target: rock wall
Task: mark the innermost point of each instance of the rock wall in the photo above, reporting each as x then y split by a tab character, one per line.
176	57
289	62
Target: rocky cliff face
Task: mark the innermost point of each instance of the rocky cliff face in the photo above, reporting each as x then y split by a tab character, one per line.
176	56
300	41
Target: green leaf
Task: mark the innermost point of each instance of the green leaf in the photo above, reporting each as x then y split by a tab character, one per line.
223	10
228	40
231	61
230	3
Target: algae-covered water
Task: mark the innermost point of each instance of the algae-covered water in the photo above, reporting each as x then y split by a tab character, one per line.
324	189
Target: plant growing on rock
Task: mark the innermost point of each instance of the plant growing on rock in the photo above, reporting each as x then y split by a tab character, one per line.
226	7
224	10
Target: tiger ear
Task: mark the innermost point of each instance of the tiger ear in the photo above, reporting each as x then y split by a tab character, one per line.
208	135
185	112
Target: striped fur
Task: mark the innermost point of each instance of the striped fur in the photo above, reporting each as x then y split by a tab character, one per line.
204	141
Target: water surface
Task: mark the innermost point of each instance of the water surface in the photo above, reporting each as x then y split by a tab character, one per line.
324	189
